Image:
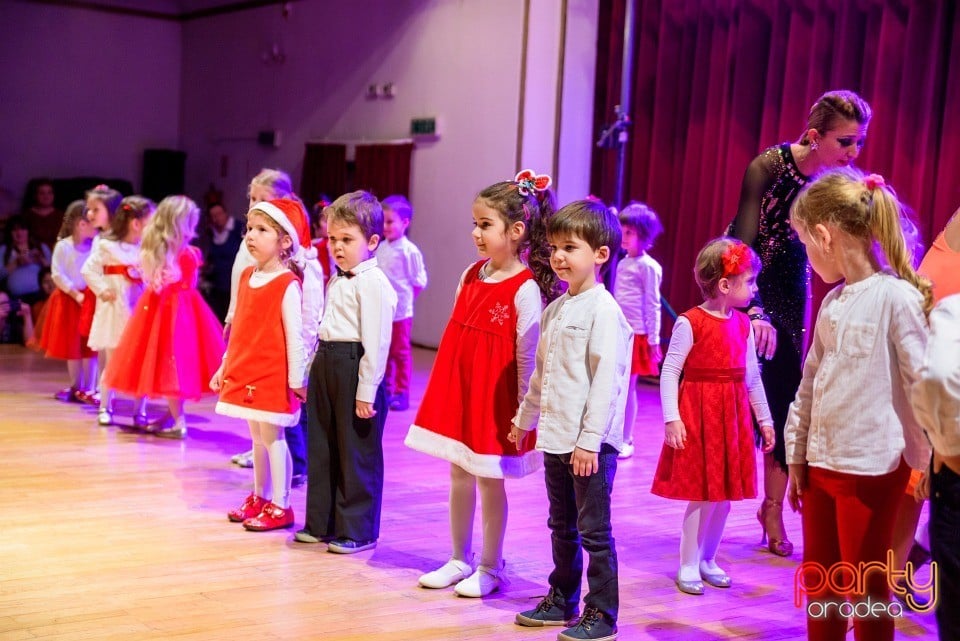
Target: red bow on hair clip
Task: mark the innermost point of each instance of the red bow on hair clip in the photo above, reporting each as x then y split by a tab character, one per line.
528	181
873	181
736	259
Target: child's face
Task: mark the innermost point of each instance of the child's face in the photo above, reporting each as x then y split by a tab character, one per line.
347	244
575	262
491	235
632	241
394	225
97	213
742	288
320	229
263	240
84	230
259	194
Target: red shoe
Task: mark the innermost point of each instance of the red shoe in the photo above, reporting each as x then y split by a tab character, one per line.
273	517
252	506
66	395
84	397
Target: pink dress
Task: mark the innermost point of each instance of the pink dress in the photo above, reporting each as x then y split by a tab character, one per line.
173	344
719	461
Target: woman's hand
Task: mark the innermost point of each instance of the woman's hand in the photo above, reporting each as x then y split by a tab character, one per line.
797	484
765	335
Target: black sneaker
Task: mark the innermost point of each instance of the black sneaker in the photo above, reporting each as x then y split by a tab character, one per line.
344	545
591	626
550	611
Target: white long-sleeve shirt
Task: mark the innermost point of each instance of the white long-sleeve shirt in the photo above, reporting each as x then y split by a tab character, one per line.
66	263
578	391
637	290
936	396
402	262
681	342
852	412
360	310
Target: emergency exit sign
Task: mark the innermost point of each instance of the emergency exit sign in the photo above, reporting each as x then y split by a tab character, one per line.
423	127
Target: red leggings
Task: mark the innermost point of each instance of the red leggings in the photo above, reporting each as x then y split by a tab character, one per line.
849	518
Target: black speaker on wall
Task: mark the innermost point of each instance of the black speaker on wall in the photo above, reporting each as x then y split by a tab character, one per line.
163	172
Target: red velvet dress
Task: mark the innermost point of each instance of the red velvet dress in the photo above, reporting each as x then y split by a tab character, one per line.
60	336
471	397
719	461
173	344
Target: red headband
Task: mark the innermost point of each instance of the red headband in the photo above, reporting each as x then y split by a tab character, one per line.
736	259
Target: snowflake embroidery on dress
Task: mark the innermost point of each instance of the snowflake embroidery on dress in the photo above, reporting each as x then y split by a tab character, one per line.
499	313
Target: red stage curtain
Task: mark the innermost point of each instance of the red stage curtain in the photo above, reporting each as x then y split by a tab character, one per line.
384	169
324	171
717	81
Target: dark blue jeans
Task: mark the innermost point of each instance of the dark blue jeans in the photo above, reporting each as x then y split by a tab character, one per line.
944	548
580	516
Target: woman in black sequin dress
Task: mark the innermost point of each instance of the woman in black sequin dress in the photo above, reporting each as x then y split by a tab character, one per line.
835	133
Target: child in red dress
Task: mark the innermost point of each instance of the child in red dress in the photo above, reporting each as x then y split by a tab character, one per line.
482	370
173	343
708	456
61	337
263	375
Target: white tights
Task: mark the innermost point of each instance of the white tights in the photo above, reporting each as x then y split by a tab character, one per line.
83	373
271	463
493	506
703	524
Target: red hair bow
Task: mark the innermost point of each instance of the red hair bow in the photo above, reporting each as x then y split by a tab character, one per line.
736	259
873	181
528	181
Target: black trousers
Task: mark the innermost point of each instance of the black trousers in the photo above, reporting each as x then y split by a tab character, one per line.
344	452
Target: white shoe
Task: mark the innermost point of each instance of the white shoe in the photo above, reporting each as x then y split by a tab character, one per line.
243	459
626	451
481	583
453	571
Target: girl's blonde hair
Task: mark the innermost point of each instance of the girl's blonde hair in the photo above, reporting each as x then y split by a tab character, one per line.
171	228
277	181
131	208
722	258
866	208
285	253
76	211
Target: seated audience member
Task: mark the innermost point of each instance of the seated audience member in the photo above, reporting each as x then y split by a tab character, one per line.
16	320
220	241
43	219
23	256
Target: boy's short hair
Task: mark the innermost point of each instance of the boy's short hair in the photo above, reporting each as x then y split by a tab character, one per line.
400	205
589	220
360	208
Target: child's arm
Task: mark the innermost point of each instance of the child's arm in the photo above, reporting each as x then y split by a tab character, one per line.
529	308
416	270
758	397
312	307
58	269
92	270
936	395
529	410
378	302
608	357
681	341
651	275
291	313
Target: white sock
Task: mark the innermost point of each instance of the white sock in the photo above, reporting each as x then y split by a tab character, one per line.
714	522
281	466
261	462
689	543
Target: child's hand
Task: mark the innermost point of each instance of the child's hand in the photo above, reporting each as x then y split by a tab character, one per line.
517	436
798	483
365	410
300	393
79	298
769	438
922	491
676	435
217	381
656	353
584	463
108	295
226	332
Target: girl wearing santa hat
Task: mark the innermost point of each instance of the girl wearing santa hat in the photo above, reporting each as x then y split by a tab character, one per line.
262	378
173	343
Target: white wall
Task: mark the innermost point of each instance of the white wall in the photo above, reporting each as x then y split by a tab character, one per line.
84	92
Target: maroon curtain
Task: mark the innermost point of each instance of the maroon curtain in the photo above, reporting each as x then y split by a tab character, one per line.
717	81
383	169
324	171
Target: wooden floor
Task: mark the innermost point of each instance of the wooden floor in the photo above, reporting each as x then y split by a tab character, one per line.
107	535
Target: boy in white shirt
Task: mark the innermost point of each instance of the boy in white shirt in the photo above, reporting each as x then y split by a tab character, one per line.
576	401
346	400
402	262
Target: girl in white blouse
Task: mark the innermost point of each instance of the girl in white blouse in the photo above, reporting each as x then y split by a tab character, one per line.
851	436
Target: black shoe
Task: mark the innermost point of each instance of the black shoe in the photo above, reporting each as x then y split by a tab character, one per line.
297	480
343	545
591	626
550	611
